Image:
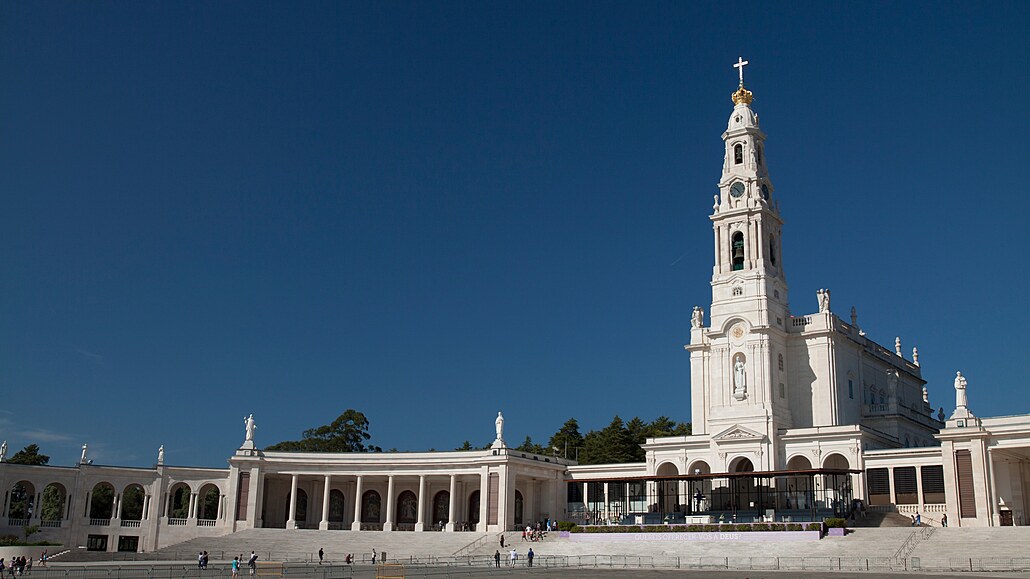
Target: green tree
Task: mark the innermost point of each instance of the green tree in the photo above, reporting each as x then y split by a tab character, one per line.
612	444
348	433
52	507
567	439
465	446
529	446
132	503
29	455
102	502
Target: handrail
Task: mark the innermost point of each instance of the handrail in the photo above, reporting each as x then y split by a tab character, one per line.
467	549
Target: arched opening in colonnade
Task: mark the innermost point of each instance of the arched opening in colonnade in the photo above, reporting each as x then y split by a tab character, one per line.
371	507
520	506
52	505
407	509
474	507
300	513
21	503
699	491
442	508
207	508
336	504
178	501
133	497
101	501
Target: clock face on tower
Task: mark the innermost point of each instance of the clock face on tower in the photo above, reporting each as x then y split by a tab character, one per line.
737	189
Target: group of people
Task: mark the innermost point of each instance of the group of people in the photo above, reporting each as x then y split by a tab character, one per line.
18	565
533	535
513	557
236	562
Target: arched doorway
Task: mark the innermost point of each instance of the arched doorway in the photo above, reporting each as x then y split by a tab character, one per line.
837	488
441	508
371	507
179	501
209	496
798	494
52	507
300	513
407	508
699	487
743	490
132	503
668	491
520	506
336	503
474	508
22	501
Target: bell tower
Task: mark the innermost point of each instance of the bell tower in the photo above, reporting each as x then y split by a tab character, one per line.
737	361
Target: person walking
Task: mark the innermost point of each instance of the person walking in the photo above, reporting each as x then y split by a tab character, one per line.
252	563
235	567
502	540
919	520
373	556
497	559
529	557
321	554
944	520
512	557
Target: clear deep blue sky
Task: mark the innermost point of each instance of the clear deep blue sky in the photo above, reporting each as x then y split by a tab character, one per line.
430	212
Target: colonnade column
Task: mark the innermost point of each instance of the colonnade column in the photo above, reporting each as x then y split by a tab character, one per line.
119	507
484	498
192	512
291	522
356	525
607	503
388	525
323	525
89	502
586	501
420	520
453	499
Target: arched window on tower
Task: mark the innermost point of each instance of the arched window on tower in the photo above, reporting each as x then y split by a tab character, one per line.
772	249
737	251
758	155
779	362
738	154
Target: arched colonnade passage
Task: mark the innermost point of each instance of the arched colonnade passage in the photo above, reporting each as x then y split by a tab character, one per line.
414	502
741	495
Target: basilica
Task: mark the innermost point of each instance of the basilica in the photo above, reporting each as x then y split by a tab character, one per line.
797	416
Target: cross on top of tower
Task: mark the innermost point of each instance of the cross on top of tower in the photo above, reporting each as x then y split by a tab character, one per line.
741	63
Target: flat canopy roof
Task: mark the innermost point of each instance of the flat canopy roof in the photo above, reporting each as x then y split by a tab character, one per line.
702	476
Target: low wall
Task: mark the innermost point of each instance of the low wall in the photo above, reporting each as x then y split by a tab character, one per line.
34	551
749	536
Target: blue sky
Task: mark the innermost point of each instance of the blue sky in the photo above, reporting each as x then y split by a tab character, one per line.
430	212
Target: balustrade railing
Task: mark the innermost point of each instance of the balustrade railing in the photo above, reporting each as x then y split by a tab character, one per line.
100	522
800	321
17	522
177	522
206	522
131	524
50	524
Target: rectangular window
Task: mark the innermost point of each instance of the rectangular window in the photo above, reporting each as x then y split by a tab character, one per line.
966	489
933	483
128	544
905	489
783	391
96	543
574	493
879	486
851	390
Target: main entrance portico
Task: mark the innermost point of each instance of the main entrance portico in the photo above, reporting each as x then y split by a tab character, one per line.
485	490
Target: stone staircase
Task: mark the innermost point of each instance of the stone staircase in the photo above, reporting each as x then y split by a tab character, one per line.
881	519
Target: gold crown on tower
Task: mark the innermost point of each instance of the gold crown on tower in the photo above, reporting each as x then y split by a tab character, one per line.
742	96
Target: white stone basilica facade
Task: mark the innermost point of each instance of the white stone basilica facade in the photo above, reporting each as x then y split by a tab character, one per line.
795	416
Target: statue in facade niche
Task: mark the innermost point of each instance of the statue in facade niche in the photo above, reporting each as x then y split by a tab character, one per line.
739	378
824	300
251	427
697	319
960	391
